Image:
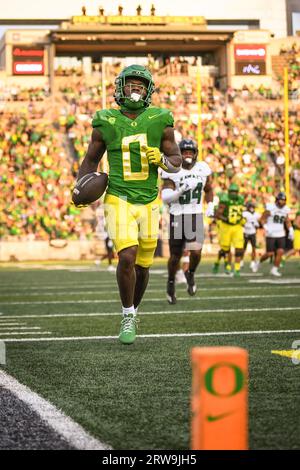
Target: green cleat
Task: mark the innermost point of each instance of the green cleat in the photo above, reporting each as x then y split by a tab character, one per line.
128	329
215	268
237	273
282	263
228	269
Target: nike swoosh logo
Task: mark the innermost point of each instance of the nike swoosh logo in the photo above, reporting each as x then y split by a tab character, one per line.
212	418
154	115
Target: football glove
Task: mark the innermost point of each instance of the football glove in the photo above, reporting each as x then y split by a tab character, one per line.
155	157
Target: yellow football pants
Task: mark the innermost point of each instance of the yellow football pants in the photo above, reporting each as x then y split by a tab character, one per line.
133	224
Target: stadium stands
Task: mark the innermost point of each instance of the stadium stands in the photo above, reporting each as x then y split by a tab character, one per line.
43	140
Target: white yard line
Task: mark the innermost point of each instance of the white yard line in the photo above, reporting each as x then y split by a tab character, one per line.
158	335
281	282
72	432
160	312
17	328
115	292
41	302
112	280
2	333
55	288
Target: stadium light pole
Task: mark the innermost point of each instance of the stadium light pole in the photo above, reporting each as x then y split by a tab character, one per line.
103	89
103	83
286	134
199	130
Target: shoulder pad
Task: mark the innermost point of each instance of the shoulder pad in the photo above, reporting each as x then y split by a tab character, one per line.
164	114
224	198
205	168
164	175
102	117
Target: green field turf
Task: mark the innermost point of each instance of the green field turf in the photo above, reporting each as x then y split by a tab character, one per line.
137	397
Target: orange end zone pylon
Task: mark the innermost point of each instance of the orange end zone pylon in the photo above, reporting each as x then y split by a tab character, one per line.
219	398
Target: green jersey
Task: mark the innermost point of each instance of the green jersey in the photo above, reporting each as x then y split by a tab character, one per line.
130	174
233	209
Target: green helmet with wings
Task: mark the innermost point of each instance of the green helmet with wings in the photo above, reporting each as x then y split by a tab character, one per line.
134	71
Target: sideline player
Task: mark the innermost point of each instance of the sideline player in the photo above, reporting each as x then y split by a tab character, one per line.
138	140
230	213
274	220
183	192
250	227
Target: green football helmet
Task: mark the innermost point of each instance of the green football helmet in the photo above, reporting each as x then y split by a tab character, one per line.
135	71
233	191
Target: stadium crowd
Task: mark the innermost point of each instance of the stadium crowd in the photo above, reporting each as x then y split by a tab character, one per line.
35	182
40	159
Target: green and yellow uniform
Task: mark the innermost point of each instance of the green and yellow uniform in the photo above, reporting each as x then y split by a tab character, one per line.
131	205
231	230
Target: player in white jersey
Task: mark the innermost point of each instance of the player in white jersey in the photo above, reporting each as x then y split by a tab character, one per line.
250	227
275	220
183	192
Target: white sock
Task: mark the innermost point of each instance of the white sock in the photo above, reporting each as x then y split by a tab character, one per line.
128	310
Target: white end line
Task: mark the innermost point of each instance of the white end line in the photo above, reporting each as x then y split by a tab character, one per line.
62	424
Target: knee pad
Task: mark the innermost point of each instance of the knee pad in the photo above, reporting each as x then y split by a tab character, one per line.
239	252
145	252
222	253
225	250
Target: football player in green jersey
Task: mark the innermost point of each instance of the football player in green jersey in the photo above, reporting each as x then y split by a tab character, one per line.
138	139
230	213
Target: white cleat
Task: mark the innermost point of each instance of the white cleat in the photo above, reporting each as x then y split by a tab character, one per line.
111	269
180	277
274	272
255	266
252	265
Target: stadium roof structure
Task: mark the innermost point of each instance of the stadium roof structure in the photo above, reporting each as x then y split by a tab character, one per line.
138	34
121	34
